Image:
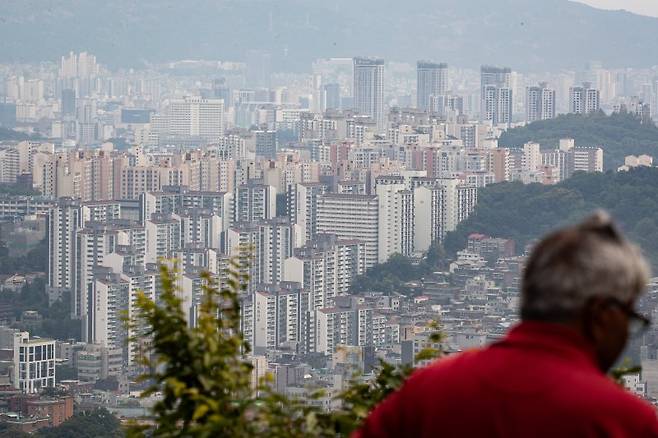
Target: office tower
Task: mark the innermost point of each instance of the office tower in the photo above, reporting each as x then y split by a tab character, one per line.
196	117
584	99
266	144
221	91
259	69
368	88
432	80
351	217
68	107
540	103
496	96
332	96
395	218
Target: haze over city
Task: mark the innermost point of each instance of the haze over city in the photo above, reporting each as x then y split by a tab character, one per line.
643	7
259	217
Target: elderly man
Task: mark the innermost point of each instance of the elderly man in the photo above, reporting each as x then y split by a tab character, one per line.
546	378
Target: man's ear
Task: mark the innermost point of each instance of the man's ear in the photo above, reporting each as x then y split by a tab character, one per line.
593	318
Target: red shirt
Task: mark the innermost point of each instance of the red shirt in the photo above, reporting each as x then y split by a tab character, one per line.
541	380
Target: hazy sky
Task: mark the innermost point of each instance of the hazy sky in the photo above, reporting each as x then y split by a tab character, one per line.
644	7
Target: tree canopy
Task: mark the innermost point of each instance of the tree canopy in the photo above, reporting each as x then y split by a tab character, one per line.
99	423
526	212
11	135
390	276
619	134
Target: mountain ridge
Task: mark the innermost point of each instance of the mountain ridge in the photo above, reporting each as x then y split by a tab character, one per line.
524	34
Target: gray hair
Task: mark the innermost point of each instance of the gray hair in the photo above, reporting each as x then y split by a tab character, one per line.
572	265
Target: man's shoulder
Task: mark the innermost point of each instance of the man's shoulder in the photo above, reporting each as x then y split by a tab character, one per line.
450	366
601	393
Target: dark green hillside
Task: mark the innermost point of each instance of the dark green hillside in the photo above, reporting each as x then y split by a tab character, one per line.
526	212
618	134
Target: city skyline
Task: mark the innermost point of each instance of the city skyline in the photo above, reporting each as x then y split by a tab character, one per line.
344	174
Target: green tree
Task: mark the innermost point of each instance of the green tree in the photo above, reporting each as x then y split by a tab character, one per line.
204	375
618	135
527	212
99	423
201	372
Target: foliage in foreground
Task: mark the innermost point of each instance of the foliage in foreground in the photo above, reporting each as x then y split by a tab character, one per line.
204	378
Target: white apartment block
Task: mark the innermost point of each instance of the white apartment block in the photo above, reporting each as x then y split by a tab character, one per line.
200	227
335	326
254	202
34	363
396	219
267	243
303	207
111	298
92	245
352	217
540	103
196	117
584	99
326	267
163	237
63	222
281	316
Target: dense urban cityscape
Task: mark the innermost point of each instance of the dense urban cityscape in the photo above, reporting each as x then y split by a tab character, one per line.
362	190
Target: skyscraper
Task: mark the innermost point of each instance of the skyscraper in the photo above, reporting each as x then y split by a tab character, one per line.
68	107
540	103
332	96
259	69
496	98
369	89
432	81
584	100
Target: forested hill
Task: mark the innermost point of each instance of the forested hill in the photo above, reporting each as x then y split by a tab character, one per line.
618	135
526	212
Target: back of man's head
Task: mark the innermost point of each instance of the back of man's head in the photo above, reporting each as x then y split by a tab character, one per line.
575	264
